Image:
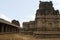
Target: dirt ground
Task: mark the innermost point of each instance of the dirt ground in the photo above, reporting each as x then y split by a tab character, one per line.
22	37
15	37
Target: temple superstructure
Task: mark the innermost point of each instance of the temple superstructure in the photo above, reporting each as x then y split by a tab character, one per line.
47	18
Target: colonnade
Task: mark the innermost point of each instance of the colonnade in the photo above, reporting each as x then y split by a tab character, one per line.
5	28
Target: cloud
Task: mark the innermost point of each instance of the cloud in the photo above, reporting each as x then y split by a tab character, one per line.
3	16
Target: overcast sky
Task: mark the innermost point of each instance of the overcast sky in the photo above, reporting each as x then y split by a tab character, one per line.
22	10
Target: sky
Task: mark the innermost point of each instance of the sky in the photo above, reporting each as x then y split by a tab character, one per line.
22	10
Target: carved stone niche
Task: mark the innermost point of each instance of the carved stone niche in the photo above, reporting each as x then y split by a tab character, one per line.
43	28
43	20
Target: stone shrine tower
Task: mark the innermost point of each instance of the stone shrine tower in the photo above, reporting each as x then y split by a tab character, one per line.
47	18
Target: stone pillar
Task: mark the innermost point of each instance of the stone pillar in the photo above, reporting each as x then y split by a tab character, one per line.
2	28
6	28
9	29
12	29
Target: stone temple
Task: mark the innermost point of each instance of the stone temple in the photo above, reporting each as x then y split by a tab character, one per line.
47	20
45	25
